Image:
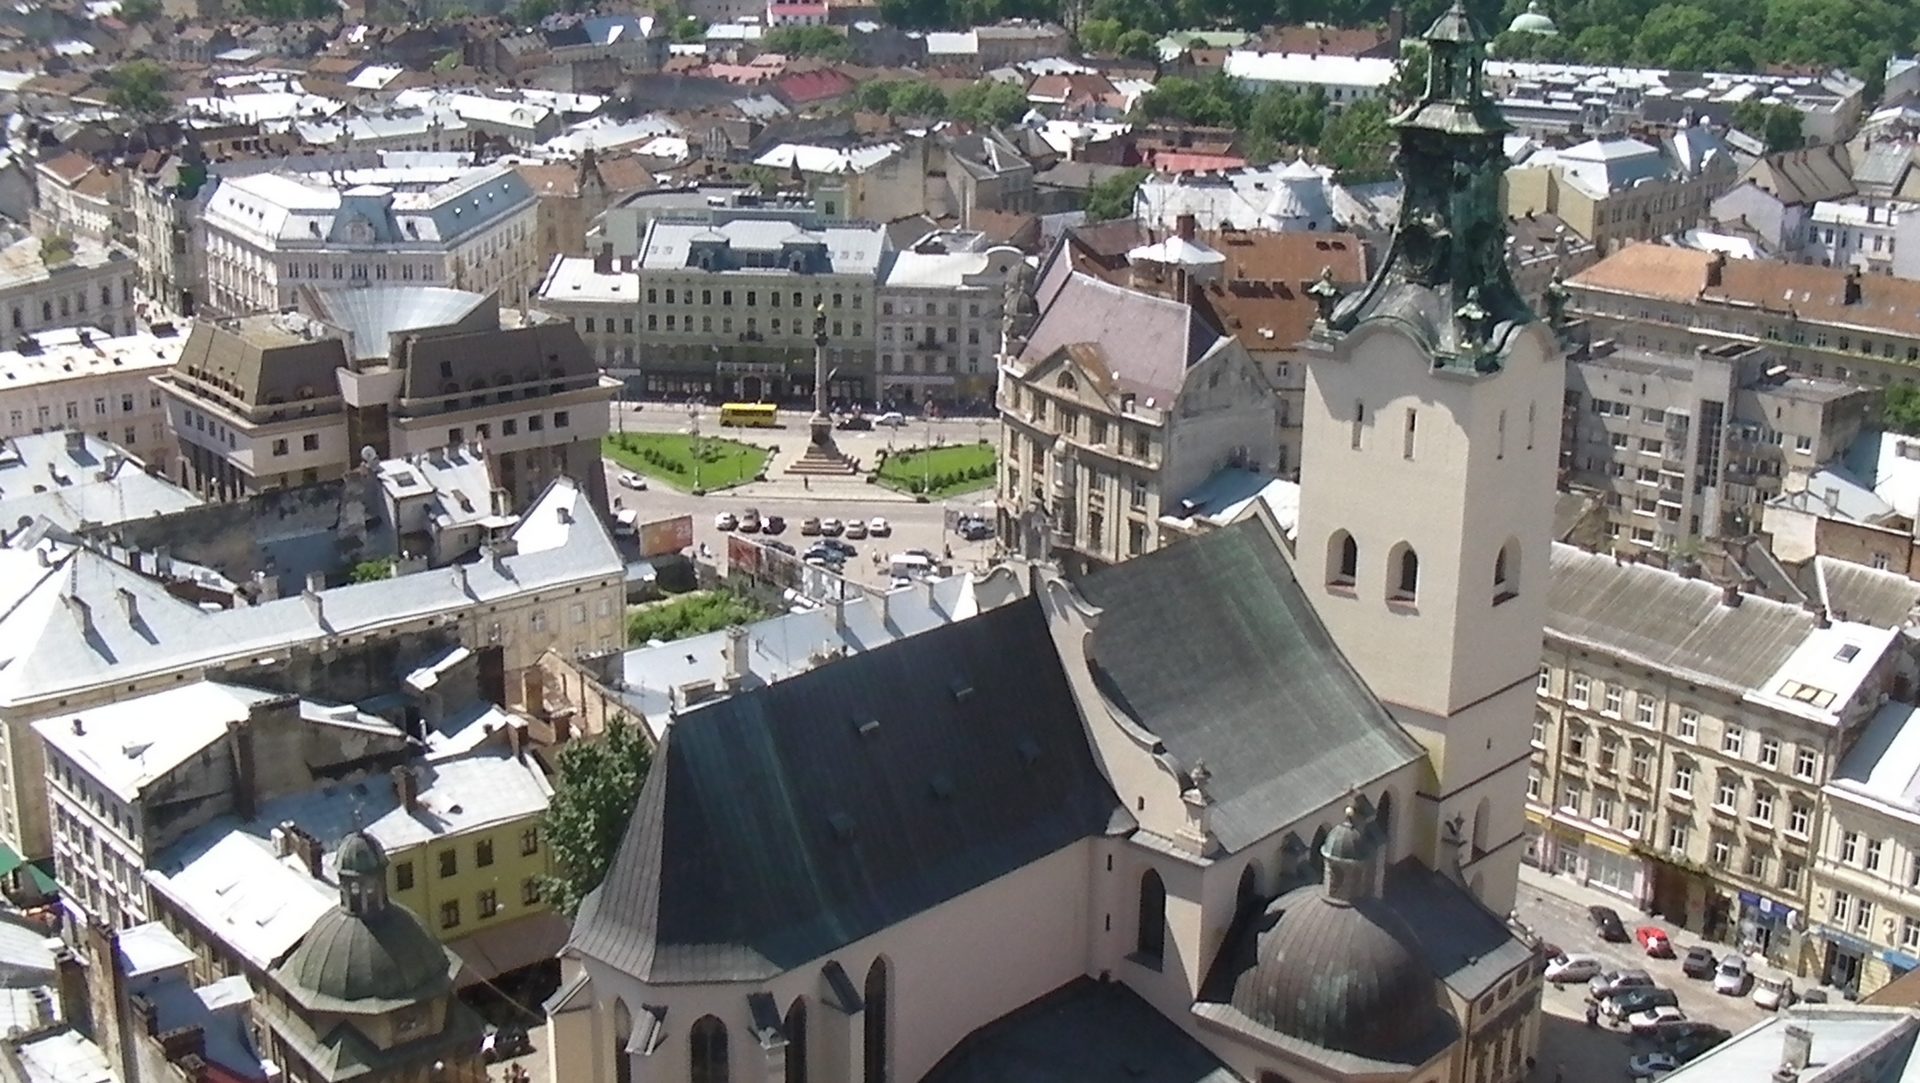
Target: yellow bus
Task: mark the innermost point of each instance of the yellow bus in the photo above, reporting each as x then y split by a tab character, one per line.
750	415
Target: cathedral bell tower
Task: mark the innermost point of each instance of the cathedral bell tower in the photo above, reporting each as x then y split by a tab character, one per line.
1429	448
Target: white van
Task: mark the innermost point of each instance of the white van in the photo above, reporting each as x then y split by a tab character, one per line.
904	568
626	523
1773	990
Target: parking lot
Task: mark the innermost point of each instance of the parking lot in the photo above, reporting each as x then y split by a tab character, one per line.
1557	911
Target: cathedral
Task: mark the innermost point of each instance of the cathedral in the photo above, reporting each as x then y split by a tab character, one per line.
1246	808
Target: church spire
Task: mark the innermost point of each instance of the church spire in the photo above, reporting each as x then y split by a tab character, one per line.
1451	237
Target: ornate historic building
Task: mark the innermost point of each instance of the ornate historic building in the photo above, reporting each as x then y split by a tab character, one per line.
1244	808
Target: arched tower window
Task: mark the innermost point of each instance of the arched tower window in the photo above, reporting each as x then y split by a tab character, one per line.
709	1045
1506	571
1150	939
1343	559
1481	815
874	1033
796	1027
1404	567
1383	819
622	1031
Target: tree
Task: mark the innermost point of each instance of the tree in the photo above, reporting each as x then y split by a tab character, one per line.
1136	45
903	98
1113	198
1358	144
820	41
1410	74
988	102
1776	125
371	571
1215	102
597	781
688	30
139	87
134	12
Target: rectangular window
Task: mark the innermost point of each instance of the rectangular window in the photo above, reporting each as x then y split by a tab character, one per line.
403	876
1850	847
310	442
1689	725
1570	797
1790	873
1799	817
1577	744
1909	935
1727	794
483	853
489	903
1721	851
1644	707
449	863
1406	448
530	841
1642	763
1577	695
1603	807
1677	835
1733	740
450	914
1763	806
1756	864
1872	859
1803	763
1611	704
530	887
1682	783
1539	731
1863	917
1545	684
1533	785
1770	752
1636	819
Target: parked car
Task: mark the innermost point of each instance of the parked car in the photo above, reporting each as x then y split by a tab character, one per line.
809	526
505	1043
1634	1001
780	545
976	529
1655	1022
856	423
1607	923
774	524
1702	1037
832	528
821	554
857	529
750	521
1699	962
1614	982
1730	977
725	521
1651	1065
631	480
1567	969
1773	990
838	546
1653	940
892	419
878	527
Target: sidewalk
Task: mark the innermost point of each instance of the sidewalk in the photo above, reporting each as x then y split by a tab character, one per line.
1543	882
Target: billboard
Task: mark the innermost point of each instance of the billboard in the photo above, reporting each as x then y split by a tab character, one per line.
666	536
743	556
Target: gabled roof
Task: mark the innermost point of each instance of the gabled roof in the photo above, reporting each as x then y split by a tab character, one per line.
1083	1032
781	824
1146	343
1805	176
1211	646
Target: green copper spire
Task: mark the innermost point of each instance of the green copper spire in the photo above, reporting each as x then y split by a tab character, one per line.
1451	237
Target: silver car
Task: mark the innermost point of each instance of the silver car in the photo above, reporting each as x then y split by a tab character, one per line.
1615	981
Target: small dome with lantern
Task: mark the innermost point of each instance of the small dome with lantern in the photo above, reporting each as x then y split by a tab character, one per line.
1533	21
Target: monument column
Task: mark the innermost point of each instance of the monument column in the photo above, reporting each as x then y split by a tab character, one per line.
822	456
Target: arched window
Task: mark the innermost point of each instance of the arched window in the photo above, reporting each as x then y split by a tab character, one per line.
1343	559
1506	571
1065	382
1481	815
709	1043
796	1028
622	1031
875	1030
1383	819
46	311
1404	566
1150	939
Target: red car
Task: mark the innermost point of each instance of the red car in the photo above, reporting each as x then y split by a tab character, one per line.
1653	940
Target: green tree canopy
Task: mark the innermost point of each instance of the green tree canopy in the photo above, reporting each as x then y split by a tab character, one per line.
139	87
820	41
688	30
1779	126
1113	198
134	12
1357	143
596	783
988	102
903	98
1900	408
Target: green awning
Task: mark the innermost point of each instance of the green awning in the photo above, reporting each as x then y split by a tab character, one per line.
41	873
9	860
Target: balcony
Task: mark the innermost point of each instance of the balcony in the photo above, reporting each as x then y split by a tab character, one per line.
926	344
1672	498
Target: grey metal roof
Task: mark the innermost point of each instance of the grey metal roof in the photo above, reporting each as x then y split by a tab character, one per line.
785	822
1670	622
1858	593
849	248
1212	646
1466	945
1083	1032
1148	343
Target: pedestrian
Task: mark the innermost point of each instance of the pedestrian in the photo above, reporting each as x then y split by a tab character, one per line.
1593	1013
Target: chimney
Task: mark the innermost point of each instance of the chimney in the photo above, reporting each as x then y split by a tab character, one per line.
1730	595
314	606
1186	225
407	785
70	981
516	741
81	611
240	749
837	608
1851	288
533	691
46	559
1797	1051
734	656
566	515
163	562
306	848
603	260
1833	500
129	604
1820	617
1716	269
316	582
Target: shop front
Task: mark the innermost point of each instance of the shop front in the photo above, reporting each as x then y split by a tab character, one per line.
1767	927
1585	853
1857	967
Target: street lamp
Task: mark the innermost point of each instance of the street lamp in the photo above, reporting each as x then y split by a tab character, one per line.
693	429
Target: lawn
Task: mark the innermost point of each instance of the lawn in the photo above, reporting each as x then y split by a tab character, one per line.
940	473
670	458
692	615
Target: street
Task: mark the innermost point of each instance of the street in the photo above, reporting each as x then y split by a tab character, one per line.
915	525
1556	909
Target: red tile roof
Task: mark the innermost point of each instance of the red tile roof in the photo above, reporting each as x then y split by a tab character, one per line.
807	87
1181	161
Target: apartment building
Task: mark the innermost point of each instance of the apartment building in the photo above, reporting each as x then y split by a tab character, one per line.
269	237
1683	735
75	196
269	401
1117	401
1682	448
1854	234
163	195
55	282
600	296
89	630
730	298
1866	911
938	326
1615	189
1818	321
81	380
